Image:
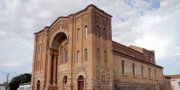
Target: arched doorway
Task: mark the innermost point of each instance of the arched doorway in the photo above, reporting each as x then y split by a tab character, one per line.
80	82
55	45
38	85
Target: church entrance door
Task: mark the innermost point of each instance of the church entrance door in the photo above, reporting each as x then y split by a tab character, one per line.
81	83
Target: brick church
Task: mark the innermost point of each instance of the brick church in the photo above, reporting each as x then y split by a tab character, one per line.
76	52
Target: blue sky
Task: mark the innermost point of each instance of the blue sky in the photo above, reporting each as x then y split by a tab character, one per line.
152	24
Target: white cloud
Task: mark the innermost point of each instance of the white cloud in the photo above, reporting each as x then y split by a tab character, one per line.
2	33
10	64
44	14
159	31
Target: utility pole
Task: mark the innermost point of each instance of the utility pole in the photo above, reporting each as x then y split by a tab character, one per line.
7	79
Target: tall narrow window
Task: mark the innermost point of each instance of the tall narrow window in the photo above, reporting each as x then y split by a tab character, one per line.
155	74
78	31
149	73
78	56
98	55
142	71
85	55
123	68
66	55
38	64
179	84
40	49
104	34
97	31
103	77
85	32
61	54
133	67
105	58
40	56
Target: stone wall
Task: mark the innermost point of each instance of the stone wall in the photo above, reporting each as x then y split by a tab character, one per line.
134	86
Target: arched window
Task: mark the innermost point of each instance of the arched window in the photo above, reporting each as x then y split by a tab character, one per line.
104	34
85	55
78	56
103	77
85	32
78	33
105	58
123	68
149	73
97	31
40	56
66	54
142	71
98	75
61	54
38	64
98	55
40	49
155	73
133	67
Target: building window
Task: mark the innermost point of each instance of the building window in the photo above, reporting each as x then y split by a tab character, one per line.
85	32
66	55
40	48
98	55
85	55
133	67
149	73
142	71
104	34
105	58
155	73
103	77
151	58
98	75
97	31
78	56
61	54
123	68
179	84
78	31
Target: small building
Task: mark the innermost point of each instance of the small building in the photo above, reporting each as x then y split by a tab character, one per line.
166	83
2	86
175	82
25	86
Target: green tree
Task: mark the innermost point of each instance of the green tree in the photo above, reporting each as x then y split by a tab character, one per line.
17	80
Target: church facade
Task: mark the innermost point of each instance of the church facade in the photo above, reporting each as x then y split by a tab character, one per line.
76	52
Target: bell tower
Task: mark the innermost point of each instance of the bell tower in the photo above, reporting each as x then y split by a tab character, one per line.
101	49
